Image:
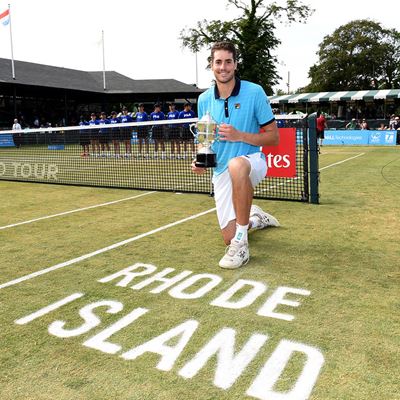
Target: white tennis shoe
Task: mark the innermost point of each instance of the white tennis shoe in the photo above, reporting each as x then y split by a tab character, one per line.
264	219
237	255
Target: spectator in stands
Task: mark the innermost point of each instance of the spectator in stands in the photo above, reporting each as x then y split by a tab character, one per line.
382	127
397	127
17	134
142	131
36	122
280	123
364	124
84	137
392	121
395	124
158	134
16	126
186	134
174	131
126	133
352	124
321	126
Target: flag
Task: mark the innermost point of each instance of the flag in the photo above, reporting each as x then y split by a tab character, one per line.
5	17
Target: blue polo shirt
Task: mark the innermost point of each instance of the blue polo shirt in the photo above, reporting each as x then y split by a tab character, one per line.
103	122
141	116
125	118
173	114
185	115
247	109
157	116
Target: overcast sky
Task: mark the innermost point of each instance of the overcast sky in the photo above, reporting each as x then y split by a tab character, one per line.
141	37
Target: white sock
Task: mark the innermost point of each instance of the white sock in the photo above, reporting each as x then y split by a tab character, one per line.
241	233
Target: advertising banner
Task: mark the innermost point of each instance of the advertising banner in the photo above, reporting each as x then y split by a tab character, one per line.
350	137
6	140
382	138
281	159
360	138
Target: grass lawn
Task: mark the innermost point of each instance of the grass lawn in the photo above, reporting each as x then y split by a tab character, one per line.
148	313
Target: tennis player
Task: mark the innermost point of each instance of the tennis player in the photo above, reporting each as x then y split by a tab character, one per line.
241	109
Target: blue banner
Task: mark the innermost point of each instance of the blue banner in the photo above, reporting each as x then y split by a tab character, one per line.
382	138
6	140
360	138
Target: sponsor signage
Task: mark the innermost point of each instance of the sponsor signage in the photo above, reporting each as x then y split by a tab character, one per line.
382	138
360	138
281	159
6	140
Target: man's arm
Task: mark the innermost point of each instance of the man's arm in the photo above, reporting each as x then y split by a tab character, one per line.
268	135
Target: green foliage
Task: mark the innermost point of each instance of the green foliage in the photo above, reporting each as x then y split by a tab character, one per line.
252	33
358	55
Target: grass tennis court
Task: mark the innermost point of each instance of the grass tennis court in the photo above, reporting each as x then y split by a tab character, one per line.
325	285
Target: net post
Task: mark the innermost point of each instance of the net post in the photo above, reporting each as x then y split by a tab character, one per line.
313	158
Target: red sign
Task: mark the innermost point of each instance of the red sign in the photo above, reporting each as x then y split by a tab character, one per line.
281	159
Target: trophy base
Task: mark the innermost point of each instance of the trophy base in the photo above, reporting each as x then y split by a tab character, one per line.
206	160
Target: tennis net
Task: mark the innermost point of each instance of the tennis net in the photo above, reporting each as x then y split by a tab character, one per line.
152	155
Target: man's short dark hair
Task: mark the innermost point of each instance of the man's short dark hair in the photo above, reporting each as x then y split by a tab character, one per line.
228	46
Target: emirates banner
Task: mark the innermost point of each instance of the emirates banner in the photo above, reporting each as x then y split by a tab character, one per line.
281	159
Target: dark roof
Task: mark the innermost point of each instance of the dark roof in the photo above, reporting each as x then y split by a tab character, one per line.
32	74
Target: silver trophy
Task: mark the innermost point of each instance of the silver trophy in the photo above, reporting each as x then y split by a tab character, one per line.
206	129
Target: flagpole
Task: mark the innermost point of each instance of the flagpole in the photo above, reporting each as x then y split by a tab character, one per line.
11	42
197	72
104	61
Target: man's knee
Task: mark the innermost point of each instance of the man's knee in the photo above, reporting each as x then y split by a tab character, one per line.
239	166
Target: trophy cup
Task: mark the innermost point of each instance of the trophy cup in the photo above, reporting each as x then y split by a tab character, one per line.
206	129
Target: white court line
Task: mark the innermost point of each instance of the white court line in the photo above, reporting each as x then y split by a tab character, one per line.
119	244
341	162
298	177
103	250
74	211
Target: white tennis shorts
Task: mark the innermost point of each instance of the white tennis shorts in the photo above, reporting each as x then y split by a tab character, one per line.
223	187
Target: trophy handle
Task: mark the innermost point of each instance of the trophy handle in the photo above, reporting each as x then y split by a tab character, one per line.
191	131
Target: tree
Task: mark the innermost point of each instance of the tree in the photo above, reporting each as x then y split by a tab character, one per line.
252	34
358	55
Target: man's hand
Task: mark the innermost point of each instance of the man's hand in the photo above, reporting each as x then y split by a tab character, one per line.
197	170
229	133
